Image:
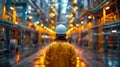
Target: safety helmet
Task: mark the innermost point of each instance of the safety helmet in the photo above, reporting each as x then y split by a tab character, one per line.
61	29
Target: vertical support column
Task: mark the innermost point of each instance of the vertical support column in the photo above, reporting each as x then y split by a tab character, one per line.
101	35
105	43
104	15
4	12
8	38
101	39
89	34
24	15
14	15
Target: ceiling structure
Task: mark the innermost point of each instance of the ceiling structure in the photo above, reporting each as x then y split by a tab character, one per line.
42	9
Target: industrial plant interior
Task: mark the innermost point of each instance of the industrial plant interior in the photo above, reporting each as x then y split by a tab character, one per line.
28	27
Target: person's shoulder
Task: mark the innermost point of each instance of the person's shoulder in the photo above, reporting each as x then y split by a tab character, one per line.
69	45
52	44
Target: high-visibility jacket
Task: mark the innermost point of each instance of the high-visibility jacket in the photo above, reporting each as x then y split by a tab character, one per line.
60	54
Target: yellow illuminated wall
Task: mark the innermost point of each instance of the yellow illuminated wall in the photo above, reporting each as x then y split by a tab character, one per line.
4	13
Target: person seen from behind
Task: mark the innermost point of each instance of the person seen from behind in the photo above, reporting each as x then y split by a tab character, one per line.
60	53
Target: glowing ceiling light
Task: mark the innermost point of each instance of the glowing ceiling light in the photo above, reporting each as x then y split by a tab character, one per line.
29	11
82	22
89	17
42	25
71	25
74	1
3	29
37	22
16	22
12	8
30	17
107	8
77	25
114	31
29	7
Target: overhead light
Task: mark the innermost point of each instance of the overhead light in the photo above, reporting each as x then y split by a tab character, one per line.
29	11
16	22
64	5
3	29
107	8
29	7
77	25
113	31
74	1
30	17
89	17
42	25
26	12
82	22
12	8
46	36
76	7
37	22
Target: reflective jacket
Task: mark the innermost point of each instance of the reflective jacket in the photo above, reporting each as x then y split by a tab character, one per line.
60	54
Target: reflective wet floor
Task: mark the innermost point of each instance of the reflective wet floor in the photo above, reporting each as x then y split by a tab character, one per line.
37	60
85	58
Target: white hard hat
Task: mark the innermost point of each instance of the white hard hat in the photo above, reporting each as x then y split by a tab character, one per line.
61	29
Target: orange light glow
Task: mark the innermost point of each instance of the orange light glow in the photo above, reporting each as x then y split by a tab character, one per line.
16	22
42	36
14	15
74	1
3	29
36	65
82	28
70	16
74	9
71	25
89	25
71	20
52	15
52	21
107	3
77	25
83	64
53	27
4	13
18	57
